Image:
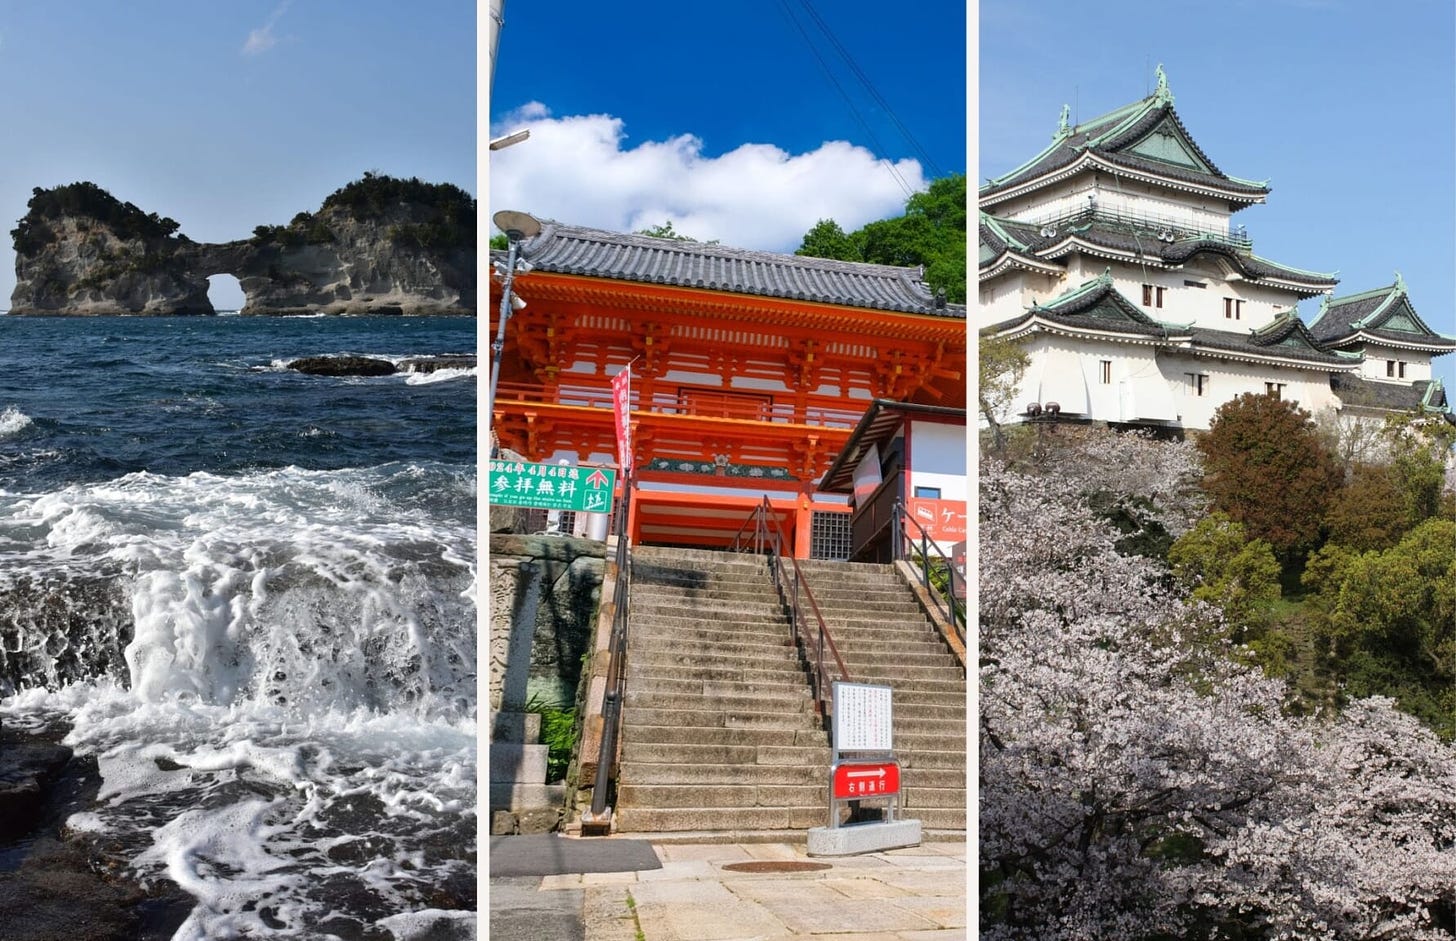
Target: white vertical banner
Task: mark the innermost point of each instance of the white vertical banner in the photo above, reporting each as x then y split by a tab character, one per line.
622	411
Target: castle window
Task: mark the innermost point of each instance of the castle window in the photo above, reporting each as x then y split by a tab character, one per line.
1400	368
1233	308
1197	382
1390	369
1152	295
1106	372
1274	389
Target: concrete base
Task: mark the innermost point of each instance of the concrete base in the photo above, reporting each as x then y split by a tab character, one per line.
863	838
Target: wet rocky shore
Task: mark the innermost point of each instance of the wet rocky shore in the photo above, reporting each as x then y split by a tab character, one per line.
62	886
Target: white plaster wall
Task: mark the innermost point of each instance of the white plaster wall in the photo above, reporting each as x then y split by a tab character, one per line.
1417	364
1228	380
938	458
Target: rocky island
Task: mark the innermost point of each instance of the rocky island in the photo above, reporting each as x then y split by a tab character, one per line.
379	245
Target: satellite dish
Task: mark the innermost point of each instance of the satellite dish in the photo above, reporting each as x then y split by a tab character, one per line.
517	225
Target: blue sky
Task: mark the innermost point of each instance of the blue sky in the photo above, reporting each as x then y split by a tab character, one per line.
225	116
719	116
1345	106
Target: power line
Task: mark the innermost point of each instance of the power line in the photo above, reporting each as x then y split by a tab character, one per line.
854	109
870	87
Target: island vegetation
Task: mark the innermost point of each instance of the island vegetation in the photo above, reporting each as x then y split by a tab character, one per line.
85	200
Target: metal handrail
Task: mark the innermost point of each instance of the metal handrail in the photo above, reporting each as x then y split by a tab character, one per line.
1180	229
917	551
766	537
616	659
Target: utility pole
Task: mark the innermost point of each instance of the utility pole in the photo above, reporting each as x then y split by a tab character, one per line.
497	20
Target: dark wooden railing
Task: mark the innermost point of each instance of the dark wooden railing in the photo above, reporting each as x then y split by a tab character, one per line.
762	533
616	659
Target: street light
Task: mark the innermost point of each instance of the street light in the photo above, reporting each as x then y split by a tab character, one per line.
516	226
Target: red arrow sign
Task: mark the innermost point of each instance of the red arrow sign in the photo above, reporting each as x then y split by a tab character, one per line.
866	780
597	479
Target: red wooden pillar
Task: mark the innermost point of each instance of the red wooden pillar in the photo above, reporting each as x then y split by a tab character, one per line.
803	527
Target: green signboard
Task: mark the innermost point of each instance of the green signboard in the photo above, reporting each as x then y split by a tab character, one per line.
552	486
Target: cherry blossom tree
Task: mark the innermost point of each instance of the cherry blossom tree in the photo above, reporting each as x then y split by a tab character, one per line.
1139	781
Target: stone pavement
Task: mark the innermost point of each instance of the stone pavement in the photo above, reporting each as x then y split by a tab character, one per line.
915	894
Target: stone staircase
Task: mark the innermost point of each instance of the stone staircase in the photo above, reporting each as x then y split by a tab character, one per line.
718	728
885	638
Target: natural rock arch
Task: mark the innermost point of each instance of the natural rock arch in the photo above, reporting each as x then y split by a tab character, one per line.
377	245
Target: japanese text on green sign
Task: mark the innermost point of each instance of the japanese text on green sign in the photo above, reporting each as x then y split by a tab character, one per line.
552	486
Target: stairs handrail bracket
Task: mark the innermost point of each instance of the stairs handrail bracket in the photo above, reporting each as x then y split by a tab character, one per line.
763	534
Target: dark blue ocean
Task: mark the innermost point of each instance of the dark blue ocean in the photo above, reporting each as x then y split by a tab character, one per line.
249	593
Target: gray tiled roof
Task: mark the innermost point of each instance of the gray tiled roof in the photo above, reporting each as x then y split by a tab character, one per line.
1098	305
1080	139
1102	306
1266	343
1343	318
568	249
1355	391
1136	239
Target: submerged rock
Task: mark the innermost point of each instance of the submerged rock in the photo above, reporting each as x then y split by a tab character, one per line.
343	366
379	245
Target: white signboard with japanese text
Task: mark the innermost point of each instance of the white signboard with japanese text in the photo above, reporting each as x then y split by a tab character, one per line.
862	718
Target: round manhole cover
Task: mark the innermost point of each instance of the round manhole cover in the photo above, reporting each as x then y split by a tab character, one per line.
776	865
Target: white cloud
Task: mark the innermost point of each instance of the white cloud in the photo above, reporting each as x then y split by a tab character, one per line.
262	39
576	169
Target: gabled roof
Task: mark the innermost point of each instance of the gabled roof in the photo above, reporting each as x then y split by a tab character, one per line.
1097	307
1145	139
1032	244
1285	336
576	250
876	427
1094	305
1384	314
1424	395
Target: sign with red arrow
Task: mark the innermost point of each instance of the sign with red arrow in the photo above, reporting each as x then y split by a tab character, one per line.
870	779
551	486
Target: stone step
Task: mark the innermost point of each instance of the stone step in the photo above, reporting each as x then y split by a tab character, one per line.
672	773
667	796
681	621
647	722
724	691
722	650
904	670
932	749
638	671
936	818
643	820
893	657
710	754
801	737
674	666
797	701
755	657
924	795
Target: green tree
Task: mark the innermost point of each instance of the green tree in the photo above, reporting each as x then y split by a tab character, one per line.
931	233
828	240
1002	364
1265	466
1370	511
1218	563
499	242
1388	620
665	231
